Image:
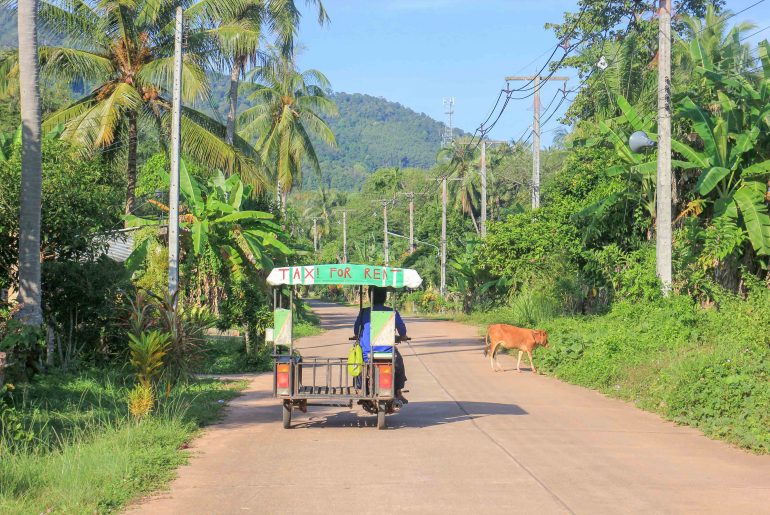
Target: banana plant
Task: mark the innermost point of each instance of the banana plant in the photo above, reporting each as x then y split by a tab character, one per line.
216	218
728	176
638	171
733	171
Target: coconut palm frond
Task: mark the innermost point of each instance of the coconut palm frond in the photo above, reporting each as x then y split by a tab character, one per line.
71	64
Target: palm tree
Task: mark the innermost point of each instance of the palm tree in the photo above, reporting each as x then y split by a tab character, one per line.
31	166
461	159
238	35
288	110
126	51
709	41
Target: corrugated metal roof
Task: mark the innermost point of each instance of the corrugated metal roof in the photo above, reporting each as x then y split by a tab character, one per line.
120	247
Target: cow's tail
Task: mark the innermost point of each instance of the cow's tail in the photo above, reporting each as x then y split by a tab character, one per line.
486	344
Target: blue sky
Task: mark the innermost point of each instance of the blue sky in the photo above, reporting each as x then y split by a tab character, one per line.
416	52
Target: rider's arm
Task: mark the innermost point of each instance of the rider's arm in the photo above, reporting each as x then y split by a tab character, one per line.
400	325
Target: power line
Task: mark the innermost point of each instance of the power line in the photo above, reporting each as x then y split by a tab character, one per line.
754	34
731	15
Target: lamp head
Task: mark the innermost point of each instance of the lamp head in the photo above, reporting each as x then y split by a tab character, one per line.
639	142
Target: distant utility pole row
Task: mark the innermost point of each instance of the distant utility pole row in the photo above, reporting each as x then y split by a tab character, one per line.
536	79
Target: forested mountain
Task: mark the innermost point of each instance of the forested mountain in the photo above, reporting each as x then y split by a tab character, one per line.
9	36
371	133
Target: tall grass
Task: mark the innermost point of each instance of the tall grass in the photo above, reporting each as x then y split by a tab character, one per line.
528	308
87	454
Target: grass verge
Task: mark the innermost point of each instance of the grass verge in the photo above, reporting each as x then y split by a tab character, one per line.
706	368
227	354
74	449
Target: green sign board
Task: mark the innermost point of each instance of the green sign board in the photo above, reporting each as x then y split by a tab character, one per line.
345	274
383	328
282	326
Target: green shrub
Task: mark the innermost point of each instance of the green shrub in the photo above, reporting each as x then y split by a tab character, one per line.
707	368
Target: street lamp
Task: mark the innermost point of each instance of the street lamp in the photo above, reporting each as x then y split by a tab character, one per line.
640	142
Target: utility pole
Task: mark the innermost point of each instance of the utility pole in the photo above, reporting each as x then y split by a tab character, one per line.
410	195
176	140
442	288
536	79
344	236
663	232
483	188
385	231
315	235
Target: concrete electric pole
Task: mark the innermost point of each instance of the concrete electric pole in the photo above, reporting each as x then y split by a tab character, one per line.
536	79
176	141
410	196
344	236
663	230
442	287
385	231
315	235
483	188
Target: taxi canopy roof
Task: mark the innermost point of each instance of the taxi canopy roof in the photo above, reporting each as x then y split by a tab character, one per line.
345	275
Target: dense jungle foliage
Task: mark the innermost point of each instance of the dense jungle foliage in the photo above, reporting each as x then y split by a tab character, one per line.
581	266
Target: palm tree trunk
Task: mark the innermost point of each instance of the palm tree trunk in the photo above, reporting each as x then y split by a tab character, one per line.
133	130
475	223
235	76
30	289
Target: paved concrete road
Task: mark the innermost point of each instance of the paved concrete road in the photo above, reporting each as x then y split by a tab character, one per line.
469	441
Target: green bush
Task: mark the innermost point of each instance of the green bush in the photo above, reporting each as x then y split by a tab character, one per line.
428	301
23	346
707	368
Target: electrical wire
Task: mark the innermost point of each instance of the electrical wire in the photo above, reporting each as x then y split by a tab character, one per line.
754	34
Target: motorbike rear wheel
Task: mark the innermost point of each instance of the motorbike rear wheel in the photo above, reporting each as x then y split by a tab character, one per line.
287	407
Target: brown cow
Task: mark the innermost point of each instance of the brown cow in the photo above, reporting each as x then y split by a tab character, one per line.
510	337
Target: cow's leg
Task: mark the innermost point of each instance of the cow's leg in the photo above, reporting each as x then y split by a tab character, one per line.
497	349
518	363
531	364
493	349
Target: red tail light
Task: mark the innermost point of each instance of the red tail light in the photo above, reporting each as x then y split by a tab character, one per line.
282	376
386	377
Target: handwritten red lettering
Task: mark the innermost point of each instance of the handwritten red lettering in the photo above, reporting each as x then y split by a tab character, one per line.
309	273
377	275
347	273
296	276
283	273
332	271
367	273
